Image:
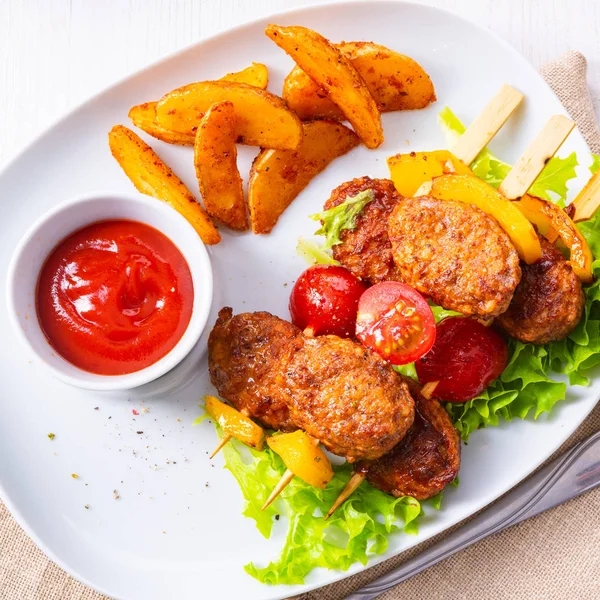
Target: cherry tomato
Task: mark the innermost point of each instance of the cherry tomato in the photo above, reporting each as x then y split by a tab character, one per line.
395	321
466	357
325	299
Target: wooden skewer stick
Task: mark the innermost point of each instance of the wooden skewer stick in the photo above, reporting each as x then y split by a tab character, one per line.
224	440
535	158
588	200
428	389
358	477
284	481
487	124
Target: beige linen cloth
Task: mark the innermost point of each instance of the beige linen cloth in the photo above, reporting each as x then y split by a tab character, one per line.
553	556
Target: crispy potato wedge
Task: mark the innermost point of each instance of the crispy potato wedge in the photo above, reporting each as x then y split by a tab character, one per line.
144	115
263	119
153	177
278	176
215	159
331	70
410	171
256	74
395	81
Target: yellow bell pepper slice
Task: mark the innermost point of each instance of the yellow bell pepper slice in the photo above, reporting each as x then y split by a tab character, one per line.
550	219
302	457
472	190
410	171
235	423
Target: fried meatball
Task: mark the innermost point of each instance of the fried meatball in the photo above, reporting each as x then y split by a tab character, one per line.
425	461
366	249
243	356
454	253
549	301
347	397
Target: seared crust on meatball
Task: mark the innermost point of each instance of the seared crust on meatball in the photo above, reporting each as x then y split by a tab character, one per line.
454	253
347	397
243	354
425	461
549	301
366	249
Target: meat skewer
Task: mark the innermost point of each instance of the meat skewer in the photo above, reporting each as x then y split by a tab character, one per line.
334	389
526	171
422	464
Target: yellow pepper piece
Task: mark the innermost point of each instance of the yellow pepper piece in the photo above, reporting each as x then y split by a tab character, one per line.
302	457
550	219
472	190
410	171
235	423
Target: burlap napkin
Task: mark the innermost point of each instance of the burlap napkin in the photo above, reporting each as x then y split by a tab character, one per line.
555	555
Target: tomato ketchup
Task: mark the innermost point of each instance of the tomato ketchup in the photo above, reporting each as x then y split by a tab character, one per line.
114	297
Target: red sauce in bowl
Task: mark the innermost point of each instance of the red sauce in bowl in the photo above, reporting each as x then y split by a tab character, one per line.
114	297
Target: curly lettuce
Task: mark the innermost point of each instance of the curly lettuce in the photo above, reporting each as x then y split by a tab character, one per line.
358	530
341	217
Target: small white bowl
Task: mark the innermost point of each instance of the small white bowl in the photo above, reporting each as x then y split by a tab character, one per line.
67	218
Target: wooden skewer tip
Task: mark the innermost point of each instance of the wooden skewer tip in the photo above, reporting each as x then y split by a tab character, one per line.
224	440
353	483
283	482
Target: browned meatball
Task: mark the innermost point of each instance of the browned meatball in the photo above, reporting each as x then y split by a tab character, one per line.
549	301
366	249
243	356
347	397
425	461
454	253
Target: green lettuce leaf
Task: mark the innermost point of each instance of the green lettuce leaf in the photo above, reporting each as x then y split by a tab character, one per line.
555	177
340	217
595	166
313	253
358	530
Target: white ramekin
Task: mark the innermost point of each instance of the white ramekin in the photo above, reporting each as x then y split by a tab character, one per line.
59	223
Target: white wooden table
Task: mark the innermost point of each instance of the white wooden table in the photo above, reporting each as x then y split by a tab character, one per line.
56	53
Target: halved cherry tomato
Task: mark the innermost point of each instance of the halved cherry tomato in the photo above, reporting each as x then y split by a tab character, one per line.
325	299
395	321
466	357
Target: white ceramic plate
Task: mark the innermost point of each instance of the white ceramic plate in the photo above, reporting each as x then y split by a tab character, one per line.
177	530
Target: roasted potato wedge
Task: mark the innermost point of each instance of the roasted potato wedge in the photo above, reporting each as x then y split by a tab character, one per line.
153	177
263	119
144	115
215	159
256	74
278	176
395	81
331	70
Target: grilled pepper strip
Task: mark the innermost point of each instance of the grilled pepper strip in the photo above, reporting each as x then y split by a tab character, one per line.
551	219
472	190
302	457
410	171
235	423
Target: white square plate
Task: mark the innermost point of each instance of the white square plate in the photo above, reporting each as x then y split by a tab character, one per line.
177	530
